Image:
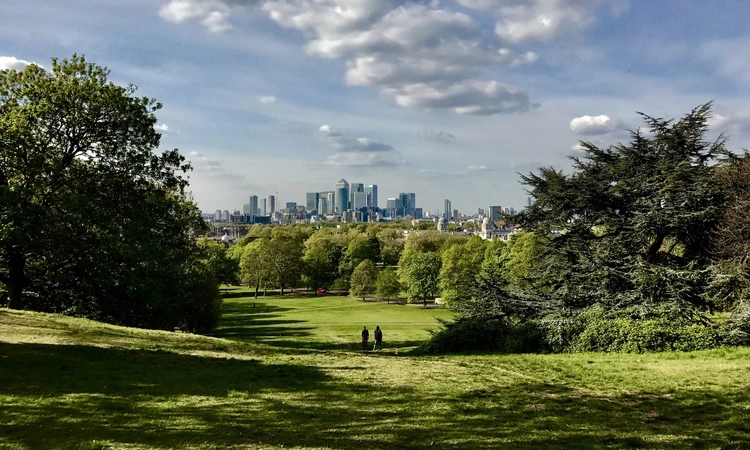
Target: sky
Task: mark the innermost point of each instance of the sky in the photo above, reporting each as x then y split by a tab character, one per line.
445	98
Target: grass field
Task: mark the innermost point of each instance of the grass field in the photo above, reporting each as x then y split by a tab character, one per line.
323	322
287	379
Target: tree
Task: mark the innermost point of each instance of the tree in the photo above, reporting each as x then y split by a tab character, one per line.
422	277
225	268
460	266
633	225
254	264
362	247
284	256
388	285
94	222
322	255
363	279
341	285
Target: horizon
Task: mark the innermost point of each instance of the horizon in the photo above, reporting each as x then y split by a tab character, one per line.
447	99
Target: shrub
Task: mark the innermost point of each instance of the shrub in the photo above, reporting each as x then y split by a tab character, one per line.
486	334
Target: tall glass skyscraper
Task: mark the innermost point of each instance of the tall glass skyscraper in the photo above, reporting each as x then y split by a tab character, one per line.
342	196
372	195
311	202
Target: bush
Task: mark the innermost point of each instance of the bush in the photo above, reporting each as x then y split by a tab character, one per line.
486	334
624	334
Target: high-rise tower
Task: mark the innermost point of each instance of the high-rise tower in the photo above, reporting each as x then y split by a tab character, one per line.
342	196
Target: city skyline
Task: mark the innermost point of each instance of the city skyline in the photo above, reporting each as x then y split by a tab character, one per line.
274	97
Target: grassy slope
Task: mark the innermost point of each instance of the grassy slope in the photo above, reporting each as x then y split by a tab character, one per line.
71	383
325	322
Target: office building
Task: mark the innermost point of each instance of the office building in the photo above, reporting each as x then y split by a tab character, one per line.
291	207
263	208
225	215
311	202
246	209
322	206
447	210
271	204
372	195
217	215
455	215
495	213
254	205
359	200
407	204
390	207
418	214
354	188
342	196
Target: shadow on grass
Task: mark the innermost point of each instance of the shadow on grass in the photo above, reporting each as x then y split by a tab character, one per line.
65	396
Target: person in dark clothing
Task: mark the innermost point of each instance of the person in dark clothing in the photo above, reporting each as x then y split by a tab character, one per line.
378	339
365	337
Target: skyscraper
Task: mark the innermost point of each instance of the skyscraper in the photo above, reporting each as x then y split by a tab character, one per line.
254	205
495	213
354	188
311	202
447	210
372	193
271	204
390	207
263	209
407	204
342	196
359	200
322	206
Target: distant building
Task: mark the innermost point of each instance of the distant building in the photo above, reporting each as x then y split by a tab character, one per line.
372	195
353	189
271	205
418	214
454	215
447	209
322	206
311	202
495	213
291	207
359	200
480	212
347	216
406	205
390	208
254	205
342	196
442	224
263	207
217	215
225	215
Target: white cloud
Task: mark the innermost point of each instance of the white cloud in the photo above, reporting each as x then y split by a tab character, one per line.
594	125
164	129
419	56
480	168
364	159
736	121
267	99
11	62
341	143
213	14
214	169
541	20
442	136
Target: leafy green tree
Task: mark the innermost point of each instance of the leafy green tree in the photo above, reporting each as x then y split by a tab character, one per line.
422	277
391	246
387	285
341	285
322	254
254	264
362	247
634	222
363	279
461	264
284	256
94	223
520	259
225	268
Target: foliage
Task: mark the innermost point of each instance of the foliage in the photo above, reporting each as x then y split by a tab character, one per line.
486	334
254	264
388	285
341	285
225	268
284	257
363	279
95	223
322	255
421	279
634	223
362	247
461	264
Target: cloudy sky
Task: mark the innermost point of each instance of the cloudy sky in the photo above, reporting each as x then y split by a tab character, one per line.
445	98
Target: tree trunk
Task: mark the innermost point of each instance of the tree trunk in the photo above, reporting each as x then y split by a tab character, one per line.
16	278
656	246
282	288
257	287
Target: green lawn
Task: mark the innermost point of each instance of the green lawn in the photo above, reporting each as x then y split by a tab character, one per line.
324	322
77	384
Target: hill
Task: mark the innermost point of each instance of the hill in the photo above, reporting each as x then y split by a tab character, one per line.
77	384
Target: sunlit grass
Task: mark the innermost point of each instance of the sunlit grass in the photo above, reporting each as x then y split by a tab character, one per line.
77	384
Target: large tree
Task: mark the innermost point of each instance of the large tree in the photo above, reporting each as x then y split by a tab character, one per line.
94	222
363	279
634	223
422	277
461	264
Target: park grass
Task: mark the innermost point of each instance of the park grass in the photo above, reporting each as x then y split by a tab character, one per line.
324	322
76	384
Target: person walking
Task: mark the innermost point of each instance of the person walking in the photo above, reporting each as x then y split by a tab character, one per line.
378	339
365	338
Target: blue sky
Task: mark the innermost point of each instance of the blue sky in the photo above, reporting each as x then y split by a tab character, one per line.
445	98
